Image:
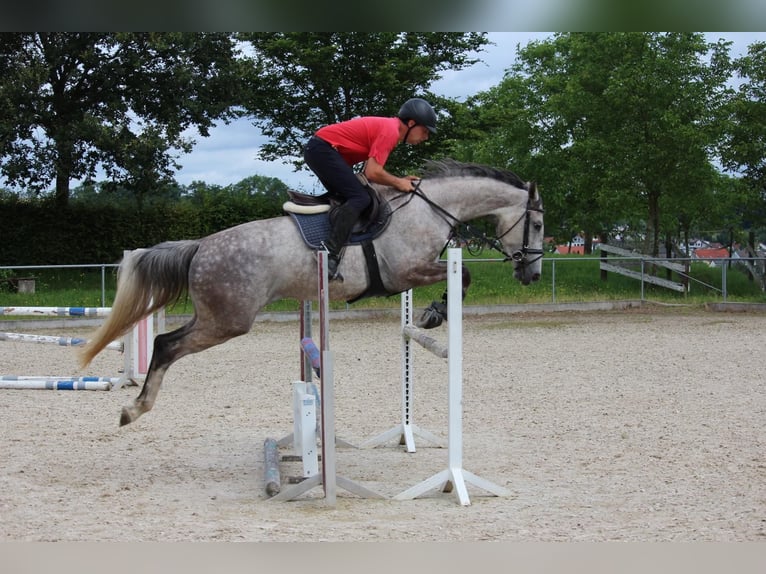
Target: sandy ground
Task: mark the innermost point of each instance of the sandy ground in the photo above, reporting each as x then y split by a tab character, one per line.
638	425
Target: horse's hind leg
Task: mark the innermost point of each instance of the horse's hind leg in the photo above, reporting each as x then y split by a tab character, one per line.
145	400
168	348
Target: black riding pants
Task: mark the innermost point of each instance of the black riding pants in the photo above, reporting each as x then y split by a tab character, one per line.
335	174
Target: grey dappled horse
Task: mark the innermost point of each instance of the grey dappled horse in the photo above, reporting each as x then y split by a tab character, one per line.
232	274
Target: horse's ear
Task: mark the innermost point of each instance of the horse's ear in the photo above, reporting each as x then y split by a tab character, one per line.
532	189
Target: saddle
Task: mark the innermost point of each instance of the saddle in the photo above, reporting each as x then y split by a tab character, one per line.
315	214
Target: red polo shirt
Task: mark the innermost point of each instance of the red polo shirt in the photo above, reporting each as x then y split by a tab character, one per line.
361	138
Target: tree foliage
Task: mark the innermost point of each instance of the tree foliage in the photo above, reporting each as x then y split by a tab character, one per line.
611	123
744	147
255	197
620	129
71	102
303	80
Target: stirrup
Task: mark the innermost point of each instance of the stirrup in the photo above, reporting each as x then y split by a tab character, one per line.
333	262
332	269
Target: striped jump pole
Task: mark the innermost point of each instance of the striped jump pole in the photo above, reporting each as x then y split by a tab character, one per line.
60	383
55	340
137	347
454	477
56	311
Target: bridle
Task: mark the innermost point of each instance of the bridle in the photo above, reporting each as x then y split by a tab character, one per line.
521	255
465	231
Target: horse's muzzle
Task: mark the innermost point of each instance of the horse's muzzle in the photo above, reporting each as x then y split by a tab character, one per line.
524	276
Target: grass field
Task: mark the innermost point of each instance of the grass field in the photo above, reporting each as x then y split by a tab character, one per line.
565	279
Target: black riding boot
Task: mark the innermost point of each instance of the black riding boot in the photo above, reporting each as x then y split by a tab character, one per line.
343	223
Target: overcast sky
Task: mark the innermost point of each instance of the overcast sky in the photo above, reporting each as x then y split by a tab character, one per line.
230	153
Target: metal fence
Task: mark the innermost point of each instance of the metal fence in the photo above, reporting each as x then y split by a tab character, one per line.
102	266
680	266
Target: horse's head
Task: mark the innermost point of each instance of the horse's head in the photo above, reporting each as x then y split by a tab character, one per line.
520	230
460	192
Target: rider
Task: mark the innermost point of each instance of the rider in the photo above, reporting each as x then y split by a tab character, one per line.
333	150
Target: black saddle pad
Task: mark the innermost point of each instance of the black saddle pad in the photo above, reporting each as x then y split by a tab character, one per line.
315	228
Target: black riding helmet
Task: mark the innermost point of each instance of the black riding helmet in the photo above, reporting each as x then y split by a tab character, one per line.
419	110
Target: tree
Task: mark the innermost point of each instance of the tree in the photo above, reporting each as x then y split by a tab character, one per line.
303	80
113	194
262	195
743	151
255	197
611	121
71	102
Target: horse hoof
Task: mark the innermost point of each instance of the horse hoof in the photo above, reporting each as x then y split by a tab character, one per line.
125	418
433	316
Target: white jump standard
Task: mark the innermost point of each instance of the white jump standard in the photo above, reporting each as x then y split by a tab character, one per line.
454	477
407	430
305	435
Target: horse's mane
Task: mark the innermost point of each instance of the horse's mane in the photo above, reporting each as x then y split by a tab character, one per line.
453	168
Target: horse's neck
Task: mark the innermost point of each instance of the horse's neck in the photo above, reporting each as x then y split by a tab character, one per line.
471	198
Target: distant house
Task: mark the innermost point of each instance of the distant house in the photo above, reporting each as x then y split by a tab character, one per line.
699	244
570	250
576	246
712	255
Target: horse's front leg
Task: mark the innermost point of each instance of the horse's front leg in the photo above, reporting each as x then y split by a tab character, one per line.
436	312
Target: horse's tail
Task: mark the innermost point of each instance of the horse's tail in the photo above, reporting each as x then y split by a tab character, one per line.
147	280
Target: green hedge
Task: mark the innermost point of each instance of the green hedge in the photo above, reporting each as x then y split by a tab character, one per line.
39	234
